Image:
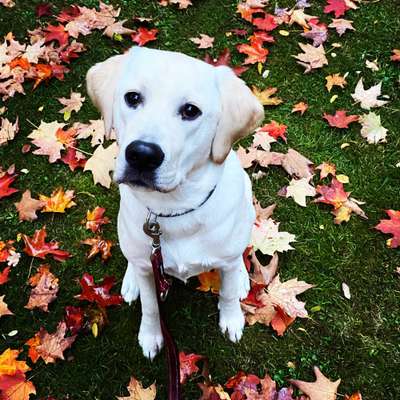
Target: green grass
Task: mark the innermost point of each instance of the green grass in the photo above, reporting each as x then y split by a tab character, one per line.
356	340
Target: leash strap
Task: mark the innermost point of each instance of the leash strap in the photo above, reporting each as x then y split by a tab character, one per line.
152	228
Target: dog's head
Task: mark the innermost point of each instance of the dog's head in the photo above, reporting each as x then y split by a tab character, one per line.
172	113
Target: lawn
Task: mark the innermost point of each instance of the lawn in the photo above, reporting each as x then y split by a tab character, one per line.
356	340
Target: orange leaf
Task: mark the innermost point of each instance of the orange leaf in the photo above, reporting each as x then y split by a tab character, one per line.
392	226
94	219
58	201
144	35
20	62
209	281
281	321
188	365
9	365
99	246
43	72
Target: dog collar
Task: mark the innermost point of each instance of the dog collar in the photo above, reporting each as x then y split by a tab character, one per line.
186	211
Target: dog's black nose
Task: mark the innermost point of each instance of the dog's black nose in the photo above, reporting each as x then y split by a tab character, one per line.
144	155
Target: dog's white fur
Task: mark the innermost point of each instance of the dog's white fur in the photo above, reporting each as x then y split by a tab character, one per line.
198	156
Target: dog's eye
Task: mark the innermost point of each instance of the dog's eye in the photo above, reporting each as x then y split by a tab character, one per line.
189	112
133	99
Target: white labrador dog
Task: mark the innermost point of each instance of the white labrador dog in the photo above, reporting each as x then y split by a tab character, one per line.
176	118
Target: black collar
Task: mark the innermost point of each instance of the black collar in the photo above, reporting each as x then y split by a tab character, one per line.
186	211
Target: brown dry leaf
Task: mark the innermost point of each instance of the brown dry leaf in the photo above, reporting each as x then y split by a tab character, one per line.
264	274
265	96
335	80
203	42
299	17
209	281
28	206
45	289
137	392
99	246
101	163
117	28
4	307
312	58
296	165
58	201
8	130
321	389
53	345
300	107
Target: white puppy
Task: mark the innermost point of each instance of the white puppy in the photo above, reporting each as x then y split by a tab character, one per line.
175	119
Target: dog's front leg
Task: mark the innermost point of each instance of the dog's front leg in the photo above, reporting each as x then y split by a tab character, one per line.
150	335
235	286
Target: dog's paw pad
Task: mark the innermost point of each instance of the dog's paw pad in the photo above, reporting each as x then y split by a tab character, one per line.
151	343
234	325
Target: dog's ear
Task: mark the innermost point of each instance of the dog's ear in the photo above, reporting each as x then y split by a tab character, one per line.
241	112
101	82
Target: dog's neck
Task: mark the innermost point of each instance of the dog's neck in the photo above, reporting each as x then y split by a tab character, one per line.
188	195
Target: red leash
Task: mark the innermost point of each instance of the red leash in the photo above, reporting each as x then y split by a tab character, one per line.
152	228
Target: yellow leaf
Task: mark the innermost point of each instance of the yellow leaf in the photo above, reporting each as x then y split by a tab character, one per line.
265	96
342	178
282	32
58	201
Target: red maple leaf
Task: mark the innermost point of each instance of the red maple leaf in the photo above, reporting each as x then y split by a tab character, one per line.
340	119
281	321
339	7
188	365
242	383
255	52
69	14
268	23
5	181
261	37
252	297
58	71
4	275
74	318
391	225
144	35
98	293
43	9
37	247
70	158
275	130
332	194
224	59
56	32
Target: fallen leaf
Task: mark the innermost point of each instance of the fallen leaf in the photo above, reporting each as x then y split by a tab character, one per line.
45	289
265	96
267	23
372	128
98	246
5	181
9	365
396	55
260	138
43	9
8	130
58	201
4	310
187	363
209	281
28	206
74	159
101	163
16	387
58	33
372	65
300	107
326	169
346	290
255	52
275	130
341	25
144	35
296	165
391	226
321	389
4	275
312	58
74	103
117	28
368	98
281	321
335	80
203	42
299	189
298	16
94	219
340	119
137	392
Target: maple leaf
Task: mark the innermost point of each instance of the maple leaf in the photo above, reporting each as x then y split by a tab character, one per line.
137	392
262	139
95	129
74	159
209	281
335	80
74	318
117	29
52	346
37	247
267	238
9	365
203	42
326	169
300	17
318	34
94	219
144	35
4	275
74	103
7	3
333	194
4	308
98	293
99	246
268	23
339	7
265	96
340	119
45	289
396	55
247	156
300	107
275	130
58	201
354	396
32	343
299	189
211	392
8	130
46	139
6	249
57	33
296	165
392	226
281	321
321	389
246	11
312	58
187	363
283	295
28	206
255	52
341	25
368	98
16	387
5	181
101	163
43	9
372	128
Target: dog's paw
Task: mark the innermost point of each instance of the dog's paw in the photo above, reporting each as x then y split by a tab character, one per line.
233	323
151	342
130	289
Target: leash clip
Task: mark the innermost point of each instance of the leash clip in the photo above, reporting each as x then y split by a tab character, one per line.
152	228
